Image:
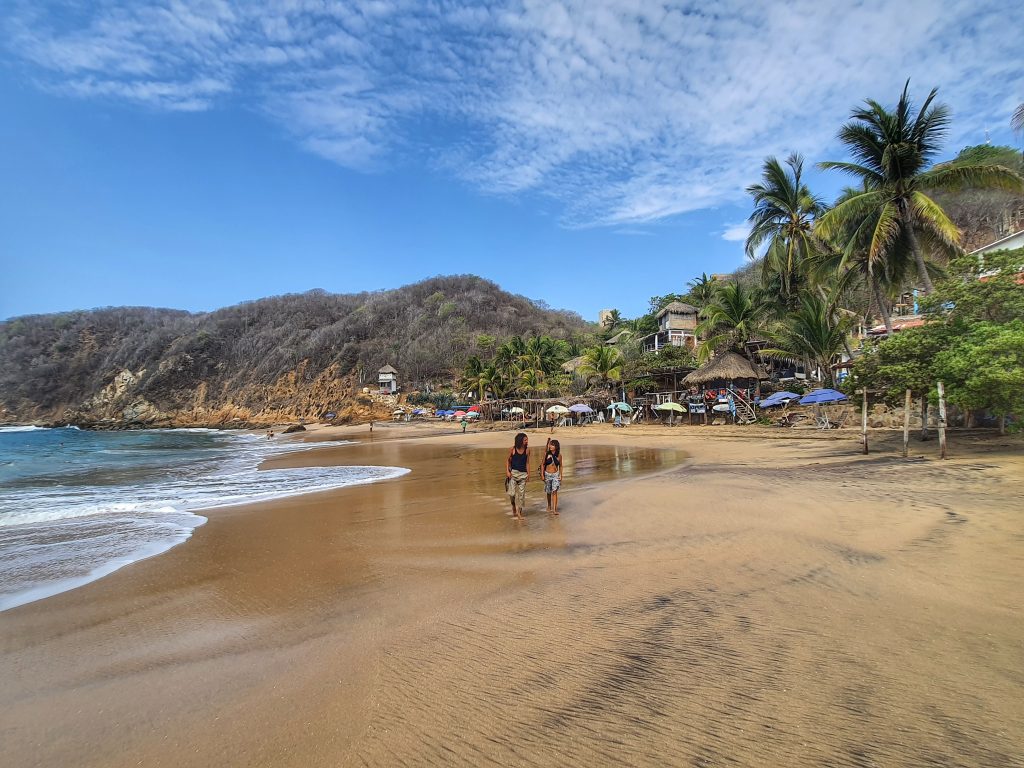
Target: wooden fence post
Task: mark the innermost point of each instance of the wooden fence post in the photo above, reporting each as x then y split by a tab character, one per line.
906	424
864	420
942	421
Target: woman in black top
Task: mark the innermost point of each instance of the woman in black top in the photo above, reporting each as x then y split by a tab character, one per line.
517	472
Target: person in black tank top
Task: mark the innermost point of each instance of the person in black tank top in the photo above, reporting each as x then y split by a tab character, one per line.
517	472
551	466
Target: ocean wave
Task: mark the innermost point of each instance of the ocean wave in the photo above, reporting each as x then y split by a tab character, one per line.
26	428
74	510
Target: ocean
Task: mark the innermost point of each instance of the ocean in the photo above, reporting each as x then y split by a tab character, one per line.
77	505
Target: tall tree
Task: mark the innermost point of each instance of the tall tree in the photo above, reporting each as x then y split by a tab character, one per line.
783	222
603	363
848	261
701	289
893	154
735	315
813	332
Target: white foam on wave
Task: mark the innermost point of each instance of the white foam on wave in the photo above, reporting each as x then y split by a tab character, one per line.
26	428
60	537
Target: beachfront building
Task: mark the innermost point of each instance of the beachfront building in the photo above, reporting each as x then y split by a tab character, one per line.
1008	243
387	380
677	327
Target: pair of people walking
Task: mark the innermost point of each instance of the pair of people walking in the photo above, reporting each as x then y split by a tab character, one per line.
517	473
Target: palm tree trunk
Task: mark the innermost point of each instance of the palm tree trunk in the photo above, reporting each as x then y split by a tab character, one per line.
924	417
915	247
882	309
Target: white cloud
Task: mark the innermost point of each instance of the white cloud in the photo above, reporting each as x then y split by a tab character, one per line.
621	112
736	233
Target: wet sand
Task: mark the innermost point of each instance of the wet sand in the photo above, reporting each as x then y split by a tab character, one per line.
704	599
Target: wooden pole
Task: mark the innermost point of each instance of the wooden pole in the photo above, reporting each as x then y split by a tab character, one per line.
942	422
906	424
864	419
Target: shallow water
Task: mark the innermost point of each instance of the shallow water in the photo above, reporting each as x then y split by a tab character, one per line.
76	505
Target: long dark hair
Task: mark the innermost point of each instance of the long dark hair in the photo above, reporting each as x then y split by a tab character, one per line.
519	440
558	447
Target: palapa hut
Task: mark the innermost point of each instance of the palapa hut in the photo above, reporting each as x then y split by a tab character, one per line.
731	371
727	367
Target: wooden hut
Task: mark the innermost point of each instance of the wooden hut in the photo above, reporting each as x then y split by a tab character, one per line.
737	374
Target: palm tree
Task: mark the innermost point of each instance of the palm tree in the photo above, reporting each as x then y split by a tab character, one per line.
783	220
612	319
734	316
701	289
1017	121
603	362
813	332
849	262
892	155
472	377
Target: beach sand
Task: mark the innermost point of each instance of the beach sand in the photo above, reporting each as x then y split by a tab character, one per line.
708	596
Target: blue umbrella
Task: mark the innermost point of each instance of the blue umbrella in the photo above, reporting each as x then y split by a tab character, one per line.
822	396
620	407
581	408
778	399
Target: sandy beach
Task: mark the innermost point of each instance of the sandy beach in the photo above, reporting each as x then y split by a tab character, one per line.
708	596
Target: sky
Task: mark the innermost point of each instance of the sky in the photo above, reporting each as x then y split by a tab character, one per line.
589	154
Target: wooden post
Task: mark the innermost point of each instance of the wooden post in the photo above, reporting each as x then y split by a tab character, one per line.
942	422
906	424
864	419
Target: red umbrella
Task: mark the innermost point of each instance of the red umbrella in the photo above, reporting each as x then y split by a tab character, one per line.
460	413
474	407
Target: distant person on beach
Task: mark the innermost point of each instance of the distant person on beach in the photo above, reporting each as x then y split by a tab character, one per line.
371	427
465	423
270	434
517	472
551	469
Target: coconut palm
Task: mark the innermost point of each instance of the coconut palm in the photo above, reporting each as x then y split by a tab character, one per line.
735	315
892	155
701	289
603	362
813	332
612	320
783	223
849	262
1017	121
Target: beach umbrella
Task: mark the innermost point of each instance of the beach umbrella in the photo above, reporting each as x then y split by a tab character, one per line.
474	408
516	409
624	407
557	409
459	413
822	396
397	411
671	407
581	408
473	415
778	398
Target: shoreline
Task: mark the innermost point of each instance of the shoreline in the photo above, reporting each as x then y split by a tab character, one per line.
412	619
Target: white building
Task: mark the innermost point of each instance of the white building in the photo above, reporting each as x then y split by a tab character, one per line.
387	379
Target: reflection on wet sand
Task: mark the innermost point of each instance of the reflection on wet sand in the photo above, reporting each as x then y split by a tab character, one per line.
697	603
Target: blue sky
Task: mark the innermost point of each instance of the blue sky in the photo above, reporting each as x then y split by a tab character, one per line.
590	154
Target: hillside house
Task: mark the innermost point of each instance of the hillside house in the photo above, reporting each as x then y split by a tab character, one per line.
677	327
387	379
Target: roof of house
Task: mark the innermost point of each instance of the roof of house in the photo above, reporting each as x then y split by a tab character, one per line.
678	308
725	367
386	369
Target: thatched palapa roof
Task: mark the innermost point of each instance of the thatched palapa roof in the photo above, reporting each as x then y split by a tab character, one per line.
679	308
727	366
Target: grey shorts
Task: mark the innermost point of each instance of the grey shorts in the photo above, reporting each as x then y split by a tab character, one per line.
551	482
